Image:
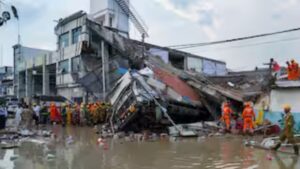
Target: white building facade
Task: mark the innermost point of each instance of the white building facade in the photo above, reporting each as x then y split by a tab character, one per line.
109	13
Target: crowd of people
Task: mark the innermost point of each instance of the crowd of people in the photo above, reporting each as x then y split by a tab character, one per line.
65	114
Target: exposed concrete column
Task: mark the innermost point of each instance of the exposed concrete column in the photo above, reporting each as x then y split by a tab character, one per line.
103	69
28	83
107	16
46	78
18	85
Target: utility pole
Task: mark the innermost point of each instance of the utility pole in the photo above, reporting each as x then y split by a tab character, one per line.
103	70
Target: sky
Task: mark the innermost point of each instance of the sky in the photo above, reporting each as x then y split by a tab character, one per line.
173	22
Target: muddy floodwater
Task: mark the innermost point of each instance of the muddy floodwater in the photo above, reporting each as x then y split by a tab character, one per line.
80	151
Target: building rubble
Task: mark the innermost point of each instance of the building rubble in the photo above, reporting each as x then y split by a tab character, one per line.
148	94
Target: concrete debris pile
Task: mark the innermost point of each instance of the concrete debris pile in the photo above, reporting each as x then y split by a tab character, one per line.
13	139
146	92
251	84
141	102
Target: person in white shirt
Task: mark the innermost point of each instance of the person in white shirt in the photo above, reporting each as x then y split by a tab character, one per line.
18	117
36	116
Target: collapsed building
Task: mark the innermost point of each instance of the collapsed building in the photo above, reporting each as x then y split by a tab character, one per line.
149	86
140	80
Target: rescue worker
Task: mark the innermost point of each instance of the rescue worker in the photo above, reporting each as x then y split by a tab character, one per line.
87	114
36	116
3	116
26	117
248	117
91	114
102	112
44	114
275	67
294	70
94	114
64	114
288	131
76	114
53	113
98	112
260	116
226	116
289	71
82	114
69	114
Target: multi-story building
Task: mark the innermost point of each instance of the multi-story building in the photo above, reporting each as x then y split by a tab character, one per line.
6	80
29	70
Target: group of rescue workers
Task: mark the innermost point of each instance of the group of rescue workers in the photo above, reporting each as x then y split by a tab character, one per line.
79	114
248	116
292	69
65	113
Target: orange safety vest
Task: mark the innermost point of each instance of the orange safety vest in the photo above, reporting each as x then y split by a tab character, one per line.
226	112
290	72
248	113
294	71
53	113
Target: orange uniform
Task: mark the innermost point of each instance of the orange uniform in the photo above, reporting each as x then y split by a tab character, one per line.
290	72
294	71
248	116
53	113
227	115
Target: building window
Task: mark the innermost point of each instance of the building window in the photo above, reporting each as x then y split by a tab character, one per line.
64	67
76	64
75	35
194	64
110	21
64	40
2	70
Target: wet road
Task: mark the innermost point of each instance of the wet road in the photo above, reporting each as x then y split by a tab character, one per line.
84	153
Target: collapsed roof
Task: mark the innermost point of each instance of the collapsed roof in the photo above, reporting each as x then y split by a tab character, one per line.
182	86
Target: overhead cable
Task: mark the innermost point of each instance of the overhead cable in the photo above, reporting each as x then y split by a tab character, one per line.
185	46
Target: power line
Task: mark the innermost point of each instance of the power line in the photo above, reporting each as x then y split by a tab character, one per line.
257	44
185	46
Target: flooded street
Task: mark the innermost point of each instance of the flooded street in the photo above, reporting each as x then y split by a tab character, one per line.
82	152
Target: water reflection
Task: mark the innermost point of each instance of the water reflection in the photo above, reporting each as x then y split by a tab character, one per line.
84	153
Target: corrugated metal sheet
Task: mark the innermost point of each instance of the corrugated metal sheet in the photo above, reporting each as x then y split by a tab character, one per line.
176	84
